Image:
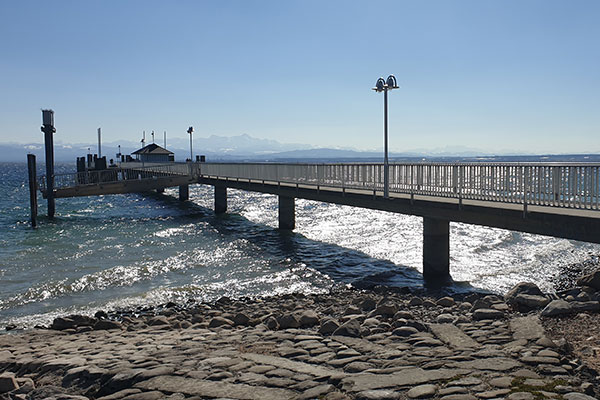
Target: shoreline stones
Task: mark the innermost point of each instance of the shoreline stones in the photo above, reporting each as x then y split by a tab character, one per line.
348	344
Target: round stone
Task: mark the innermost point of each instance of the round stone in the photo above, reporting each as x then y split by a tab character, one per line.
422	391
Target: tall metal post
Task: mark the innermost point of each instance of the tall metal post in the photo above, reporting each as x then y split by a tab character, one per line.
99	143
386	171
48	129
31	168
190	131
384	86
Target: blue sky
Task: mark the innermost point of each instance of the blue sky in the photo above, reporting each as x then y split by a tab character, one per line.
492	75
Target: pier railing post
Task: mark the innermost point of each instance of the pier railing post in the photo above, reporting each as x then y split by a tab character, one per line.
31	168
436	249
287	213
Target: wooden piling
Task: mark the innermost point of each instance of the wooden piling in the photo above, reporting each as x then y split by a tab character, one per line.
31	168
48	129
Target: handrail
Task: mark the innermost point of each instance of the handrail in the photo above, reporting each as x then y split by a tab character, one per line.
130	172
567	185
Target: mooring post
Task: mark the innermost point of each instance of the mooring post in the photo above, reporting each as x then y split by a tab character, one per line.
436	249
287	213
184	192
32	188
220	199
48	129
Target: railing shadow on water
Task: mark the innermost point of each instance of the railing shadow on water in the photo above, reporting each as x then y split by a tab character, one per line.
343	265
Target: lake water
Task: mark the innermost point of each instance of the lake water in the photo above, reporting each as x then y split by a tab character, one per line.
114	252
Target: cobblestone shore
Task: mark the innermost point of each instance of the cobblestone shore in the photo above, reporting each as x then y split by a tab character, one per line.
348	344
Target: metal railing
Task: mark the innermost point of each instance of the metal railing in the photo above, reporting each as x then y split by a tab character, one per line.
558	185
566	185
133	171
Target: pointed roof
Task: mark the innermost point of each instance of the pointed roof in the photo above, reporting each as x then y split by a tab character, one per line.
152	148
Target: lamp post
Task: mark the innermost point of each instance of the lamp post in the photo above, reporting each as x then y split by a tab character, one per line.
190	131
384	86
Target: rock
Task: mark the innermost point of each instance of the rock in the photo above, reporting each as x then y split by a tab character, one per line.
415	301
446	302
523	288
422	391
368	304
350	328
316	392
272	323
151	395
105	324
220	321
487	313
445	318
8	383
582	306
101	314
328	327
241	319
60	324
481	303
386	310
452	390
352	310
577	396
378	395
520	396
83	320
26	385
453	336
592	280
459	397
404	331
309	318
527	302
502	382
288	321
528	328
357	366
556	308
402	314
158	320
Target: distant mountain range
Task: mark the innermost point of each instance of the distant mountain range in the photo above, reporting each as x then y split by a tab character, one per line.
248	148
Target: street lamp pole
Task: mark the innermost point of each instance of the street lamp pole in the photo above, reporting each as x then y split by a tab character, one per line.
190	131
384	86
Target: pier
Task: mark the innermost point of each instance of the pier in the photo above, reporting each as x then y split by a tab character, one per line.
560	200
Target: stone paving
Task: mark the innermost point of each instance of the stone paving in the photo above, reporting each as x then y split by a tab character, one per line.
345	345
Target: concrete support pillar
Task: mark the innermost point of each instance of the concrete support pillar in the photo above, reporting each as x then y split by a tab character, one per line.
184	192
287	213
436	249
220	199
